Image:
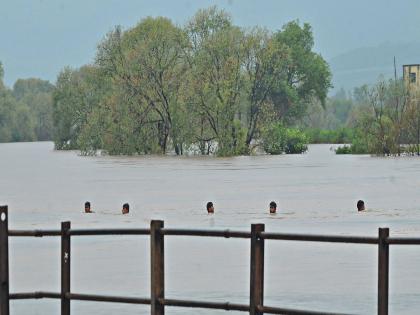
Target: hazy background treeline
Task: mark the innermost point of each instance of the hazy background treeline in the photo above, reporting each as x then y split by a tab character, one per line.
382	119
26	110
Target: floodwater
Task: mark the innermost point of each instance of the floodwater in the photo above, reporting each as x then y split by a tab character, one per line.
316	193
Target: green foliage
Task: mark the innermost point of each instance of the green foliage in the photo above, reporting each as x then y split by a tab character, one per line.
274	139
27	87
382	119
277	139
209	87
265	64
25	111
37	95
23	124
338	112
16	121
145	65
357	146
77	94
341	135
216	81
345	149
307	76
296	141
1	74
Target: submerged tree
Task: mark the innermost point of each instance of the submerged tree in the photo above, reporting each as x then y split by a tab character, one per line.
216	59
147	63
382	118
77	94
308	76
210	87
265	65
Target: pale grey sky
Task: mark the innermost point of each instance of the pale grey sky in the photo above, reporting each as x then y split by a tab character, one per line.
40	37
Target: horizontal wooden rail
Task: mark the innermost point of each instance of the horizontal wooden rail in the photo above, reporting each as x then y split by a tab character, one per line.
34	295
216	233
107	298
202	304
285	311
80	297
403	241
77	232
34	233
319	238
219	233
208	233
227	306
94	232
240	307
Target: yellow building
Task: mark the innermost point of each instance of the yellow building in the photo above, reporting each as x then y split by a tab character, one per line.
411	75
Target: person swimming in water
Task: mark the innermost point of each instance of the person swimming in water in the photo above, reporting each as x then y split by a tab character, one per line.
87	207
125	208
273	207
210	207
361	205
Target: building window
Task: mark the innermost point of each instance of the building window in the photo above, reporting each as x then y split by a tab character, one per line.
412	77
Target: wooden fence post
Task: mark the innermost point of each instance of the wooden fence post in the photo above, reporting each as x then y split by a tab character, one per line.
383	271
4	261
157	266
257	270
65	267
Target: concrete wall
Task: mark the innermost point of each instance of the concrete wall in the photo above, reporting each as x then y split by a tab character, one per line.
411	75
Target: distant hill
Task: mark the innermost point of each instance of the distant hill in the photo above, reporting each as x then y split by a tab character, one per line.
365	65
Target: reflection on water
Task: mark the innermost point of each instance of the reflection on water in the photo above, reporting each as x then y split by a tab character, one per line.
316	193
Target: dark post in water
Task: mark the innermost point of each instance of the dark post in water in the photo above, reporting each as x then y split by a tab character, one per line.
157	266
257	270
383	271
4	262
65	268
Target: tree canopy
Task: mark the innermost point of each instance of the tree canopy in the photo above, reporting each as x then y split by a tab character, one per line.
207	87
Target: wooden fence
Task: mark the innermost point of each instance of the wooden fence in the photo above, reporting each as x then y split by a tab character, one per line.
157	233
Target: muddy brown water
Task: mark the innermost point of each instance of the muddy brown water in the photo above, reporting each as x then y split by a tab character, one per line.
316	193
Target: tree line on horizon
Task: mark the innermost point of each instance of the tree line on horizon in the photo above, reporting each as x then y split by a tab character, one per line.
226	113
208	87
26	110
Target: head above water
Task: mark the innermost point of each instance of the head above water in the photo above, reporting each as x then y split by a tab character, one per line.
360	205
125	208
210	207
87	206
273	207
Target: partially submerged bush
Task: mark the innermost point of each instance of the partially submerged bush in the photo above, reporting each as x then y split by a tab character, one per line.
296	141
346	149
358	146
277	139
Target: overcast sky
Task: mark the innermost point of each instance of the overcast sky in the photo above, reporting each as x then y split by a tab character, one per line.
39	37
